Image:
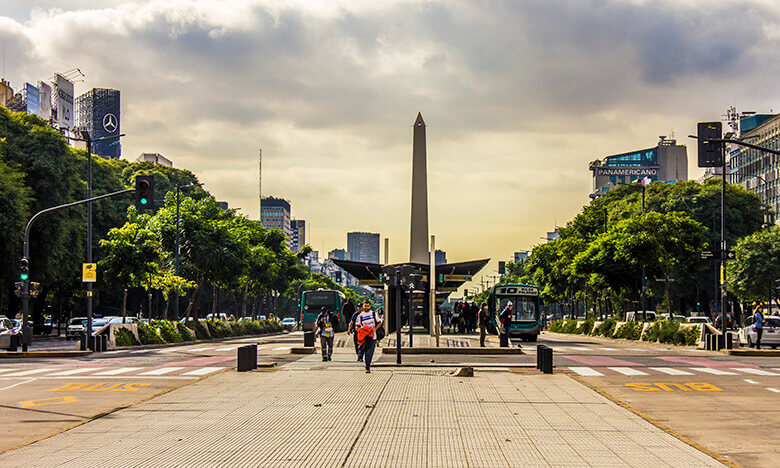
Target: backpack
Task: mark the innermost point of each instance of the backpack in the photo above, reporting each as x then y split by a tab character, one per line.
380	332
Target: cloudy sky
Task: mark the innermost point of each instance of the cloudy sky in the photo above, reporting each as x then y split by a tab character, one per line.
518	97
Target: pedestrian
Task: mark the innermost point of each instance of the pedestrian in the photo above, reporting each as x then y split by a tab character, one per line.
324	323
352	329
366	323
758	325
506	319
483	319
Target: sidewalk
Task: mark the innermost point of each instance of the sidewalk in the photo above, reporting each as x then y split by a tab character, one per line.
312	413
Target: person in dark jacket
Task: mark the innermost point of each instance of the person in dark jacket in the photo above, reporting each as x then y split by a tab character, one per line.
482	318
326	323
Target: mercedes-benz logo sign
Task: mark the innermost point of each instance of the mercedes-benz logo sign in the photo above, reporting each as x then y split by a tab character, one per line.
109	123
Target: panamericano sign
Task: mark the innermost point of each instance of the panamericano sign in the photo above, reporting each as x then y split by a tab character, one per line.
627	171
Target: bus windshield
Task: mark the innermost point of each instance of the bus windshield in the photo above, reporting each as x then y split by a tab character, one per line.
318	299
523	307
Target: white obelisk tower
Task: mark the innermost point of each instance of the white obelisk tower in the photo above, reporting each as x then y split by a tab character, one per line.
418	252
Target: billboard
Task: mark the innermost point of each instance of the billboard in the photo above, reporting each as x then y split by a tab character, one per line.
44	92
33	99
627	171
63	98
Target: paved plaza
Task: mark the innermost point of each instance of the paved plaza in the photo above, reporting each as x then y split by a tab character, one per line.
311	413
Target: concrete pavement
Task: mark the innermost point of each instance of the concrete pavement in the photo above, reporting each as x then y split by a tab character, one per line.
332	414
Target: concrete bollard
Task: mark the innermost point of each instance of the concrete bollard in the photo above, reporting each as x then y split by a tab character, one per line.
247	358
547	360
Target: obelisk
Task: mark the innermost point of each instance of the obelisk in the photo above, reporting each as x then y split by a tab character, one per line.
418	252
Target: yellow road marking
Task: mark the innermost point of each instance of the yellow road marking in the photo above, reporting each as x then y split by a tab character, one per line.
48	401
98	387
668	387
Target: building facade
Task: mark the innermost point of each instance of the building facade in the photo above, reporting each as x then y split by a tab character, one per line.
440	257
298	228
667	162
275	214
363	247
521	256
338	254
155	158
98	112
755	170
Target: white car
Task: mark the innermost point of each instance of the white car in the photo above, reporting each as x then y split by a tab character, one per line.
699	320
289	323
639	315
770	337
75	328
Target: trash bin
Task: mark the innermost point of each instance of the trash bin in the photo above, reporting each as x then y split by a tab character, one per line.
308	339
547	360
539	349
503	340
247	358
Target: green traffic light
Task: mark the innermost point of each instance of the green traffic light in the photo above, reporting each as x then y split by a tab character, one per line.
24	276
143	201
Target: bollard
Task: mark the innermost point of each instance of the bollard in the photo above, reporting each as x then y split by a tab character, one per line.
13	342
503	340
729	341
539	349
547	360
720	343
247	358
308	339
708	342
83	342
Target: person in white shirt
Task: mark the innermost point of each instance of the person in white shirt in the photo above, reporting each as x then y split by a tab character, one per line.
366	324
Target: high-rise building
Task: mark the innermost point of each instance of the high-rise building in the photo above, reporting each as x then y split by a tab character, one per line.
754	169
98	113
275	214
298	228
338	254
667	162
363	247
6	92
155	158
441	257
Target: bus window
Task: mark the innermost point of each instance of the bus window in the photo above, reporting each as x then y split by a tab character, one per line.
523	307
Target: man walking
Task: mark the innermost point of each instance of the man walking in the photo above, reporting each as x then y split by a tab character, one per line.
482	318
366	323
352	329
325	322
758	325
506	319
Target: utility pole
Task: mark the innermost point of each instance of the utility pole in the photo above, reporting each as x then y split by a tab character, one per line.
644	279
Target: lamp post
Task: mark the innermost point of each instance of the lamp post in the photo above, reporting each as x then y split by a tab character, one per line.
176	264
85	137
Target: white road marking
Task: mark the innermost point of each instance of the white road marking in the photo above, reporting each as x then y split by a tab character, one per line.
751	381
197	349
226	348
203	371
116	352
750	370
120	370
581	348
282	348
169	350
29	372
9	370
586	371
627	370
671	370
161	371
141	351
773	390
710	370
608	349
76	371
18	383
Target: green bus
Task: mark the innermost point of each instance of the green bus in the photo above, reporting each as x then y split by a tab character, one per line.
527	309
312	302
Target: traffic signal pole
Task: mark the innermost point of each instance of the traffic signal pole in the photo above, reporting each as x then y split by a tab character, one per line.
26	332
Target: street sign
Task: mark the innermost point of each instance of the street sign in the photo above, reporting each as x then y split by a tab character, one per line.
457	278
372	283
706	254
89	273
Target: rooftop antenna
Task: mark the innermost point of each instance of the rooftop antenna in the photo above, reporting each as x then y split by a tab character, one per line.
260	183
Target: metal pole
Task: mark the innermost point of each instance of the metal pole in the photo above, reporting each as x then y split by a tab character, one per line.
176	301
411	319
397	324
723	249
644	285
89	238
26	332
432	289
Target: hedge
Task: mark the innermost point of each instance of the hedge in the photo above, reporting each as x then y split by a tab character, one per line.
165	331
122	337
661	331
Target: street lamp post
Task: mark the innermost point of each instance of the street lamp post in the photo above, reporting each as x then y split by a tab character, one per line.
176	264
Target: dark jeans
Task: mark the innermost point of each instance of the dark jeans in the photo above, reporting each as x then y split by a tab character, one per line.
759	332
368	354
327	346
482	333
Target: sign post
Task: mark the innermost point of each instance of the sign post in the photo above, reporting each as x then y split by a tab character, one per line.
89	272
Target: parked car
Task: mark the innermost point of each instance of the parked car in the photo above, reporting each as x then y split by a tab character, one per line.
699	320
119	320
261	317
7	324
639	315
219	316
770	337
675	317
289	323
75	328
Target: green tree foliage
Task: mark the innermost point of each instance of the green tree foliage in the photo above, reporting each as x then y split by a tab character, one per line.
753	273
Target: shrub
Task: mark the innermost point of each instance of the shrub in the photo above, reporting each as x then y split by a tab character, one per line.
168	331
629	331
185	333
585	327
665	331
606	328
570	326
200	330
148	334
692	335
556	326
218	328
123	337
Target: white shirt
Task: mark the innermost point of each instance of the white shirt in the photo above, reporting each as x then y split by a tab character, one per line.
366	318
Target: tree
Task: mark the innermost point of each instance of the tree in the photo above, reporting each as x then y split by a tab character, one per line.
752	274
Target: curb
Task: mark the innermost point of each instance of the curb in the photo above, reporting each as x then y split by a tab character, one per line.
455	365
751	352
303	350
43	354
474	351
186	343
657	424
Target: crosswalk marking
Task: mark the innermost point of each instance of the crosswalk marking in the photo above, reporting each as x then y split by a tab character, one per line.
76	371
773	390
169	350
710	370
670	370
750	370
751	381
608	349
161	371
226	348
627	370
140	351
586	371
198	349
120	370
115	352
28	372
282	348
8	370
203	371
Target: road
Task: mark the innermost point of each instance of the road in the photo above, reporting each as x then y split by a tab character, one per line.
42	396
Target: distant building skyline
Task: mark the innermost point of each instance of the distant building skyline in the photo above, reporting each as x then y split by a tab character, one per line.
275	214
363	247
298	228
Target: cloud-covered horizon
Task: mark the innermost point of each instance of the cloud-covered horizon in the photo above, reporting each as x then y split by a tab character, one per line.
518	96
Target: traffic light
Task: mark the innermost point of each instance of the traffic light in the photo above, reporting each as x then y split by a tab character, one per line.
18	288
501	268
710	152
35	288
24	268
144	192
338	277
